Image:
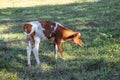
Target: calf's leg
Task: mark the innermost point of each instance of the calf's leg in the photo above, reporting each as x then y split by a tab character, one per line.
60	49
29	48
55	50
35	49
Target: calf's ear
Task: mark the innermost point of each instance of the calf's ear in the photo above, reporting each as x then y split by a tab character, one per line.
72	36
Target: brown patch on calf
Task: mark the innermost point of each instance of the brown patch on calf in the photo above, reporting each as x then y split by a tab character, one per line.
77	39
49	28
61	34
27	28
64	34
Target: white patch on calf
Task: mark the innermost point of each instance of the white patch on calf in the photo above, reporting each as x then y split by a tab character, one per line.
25	33
57	23
29	48
56	49
37	27
79	34
56	26
51	26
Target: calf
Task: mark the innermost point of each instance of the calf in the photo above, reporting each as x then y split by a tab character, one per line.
37	31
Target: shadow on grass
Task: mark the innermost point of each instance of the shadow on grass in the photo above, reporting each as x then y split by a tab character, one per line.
14	61
96	21
91	19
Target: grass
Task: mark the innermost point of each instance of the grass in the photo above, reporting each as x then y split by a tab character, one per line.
98	22
33	3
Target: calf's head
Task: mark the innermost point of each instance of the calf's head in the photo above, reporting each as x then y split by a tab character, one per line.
76	38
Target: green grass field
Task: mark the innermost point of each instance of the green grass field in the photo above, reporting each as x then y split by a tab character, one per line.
97	20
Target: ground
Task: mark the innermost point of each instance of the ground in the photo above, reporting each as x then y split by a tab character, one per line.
98	22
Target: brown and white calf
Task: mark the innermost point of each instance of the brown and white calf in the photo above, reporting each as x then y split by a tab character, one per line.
37	31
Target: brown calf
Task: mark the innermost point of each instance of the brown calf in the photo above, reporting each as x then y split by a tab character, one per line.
37	31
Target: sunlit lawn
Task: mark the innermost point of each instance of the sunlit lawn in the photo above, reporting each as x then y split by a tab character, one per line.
33	3
97	20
